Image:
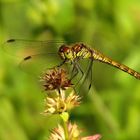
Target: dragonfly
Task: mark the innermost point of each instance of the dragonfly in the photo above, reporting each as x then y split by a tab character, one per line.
75	52
78	51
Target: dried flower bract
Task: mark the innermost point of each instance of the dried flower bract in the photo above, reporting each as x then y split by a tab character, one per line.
61	103
74	133
59	133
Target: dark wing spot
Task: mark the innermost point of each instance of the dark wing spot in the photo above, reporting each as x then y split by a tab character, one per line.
27	58
10	40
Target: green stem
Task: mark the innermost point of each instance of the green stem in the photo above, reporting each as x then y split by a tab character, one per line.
65	118
66	130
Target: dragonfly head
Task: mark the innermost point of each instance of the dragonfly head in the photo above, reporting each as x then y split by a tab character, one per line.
65	52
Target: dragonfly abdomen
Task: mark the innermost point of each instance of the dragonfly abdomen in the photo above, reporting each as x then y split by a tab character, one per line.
107	60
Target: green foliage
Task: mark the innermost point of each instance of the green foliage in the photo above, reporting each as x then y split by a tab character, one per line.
112	27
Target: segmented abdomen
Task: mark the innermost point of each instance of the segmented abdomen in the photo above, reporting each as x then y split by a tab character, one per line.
100	57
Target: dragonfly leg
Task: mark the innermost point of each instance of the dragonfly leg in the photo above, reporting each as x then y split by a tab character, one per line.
74	71
88	72
79	69
61	64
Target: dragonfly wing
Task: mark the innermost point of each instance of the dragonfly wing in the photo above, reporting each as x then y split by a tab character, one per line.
88	76
86	81
38	63
83	79
35	55
22	48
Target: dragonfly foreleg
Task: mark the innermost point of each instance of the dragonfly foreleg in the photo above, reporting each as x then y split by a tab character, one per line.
79	69
74	71
61	64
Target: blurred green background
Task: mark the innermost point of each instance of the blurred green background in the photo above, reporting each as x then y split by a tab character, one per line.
112	108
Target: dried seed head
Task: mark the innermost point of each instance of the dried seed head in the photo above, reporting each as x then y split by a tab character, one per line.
56	78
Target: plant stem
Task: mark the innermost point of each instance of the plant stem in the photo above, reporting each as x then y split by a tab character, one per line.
65	130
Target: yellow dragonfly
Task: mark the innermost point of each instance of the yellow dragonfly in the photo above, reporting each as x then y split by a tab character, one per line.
74	53
79	51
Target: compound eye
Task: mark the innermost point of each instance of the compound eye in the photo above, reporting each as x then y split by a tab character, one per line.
67	51
63	48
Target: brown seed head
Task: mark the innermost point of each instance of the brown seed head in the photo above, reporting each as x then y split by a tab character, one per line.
56	78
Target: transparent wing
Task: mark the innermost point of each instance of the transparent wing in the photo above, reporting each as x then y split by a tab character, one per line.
22	48
36	56
87	80
36	64
83	79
